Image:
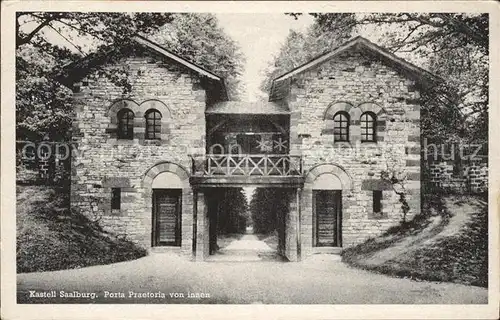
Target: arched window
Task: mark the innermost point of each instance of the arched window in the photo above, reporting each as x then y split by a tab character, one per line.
153	124
368	123
341	126
125	124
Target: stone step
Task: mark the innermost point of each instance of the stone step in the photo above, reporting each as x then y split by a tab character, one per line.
327	250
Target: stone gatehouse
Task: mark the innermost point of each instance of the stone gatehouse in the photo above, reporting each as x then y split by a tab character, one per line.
332	132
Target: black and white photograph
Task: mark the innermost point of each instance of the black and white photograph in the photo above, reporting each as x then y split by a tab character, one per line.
214	156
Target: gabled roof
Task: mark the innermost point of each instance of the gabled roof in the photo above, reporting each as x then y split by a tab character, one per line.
156	47
77	70
239	107
279	87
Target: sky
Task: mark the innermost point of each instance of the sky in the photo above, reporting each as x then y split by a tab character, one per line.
260	36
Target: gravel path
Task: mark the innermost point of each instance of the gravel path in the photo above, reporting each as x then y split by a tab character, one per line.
247	242
168	278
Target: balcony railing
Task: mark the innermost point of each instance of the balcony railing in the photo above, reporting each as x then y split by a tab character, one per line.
247	165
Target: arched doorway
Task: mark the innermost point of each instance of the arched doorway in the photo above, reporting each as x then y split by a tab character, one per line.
167	195
327	211
327	185
167	208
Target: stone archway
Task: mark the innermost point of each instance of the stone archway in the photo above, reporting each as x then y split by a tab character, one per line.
327	181
166	166
326	177
332	169
164	176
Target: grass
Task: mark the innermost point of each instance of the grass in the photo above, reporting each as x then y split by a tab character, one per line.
52	237
447	242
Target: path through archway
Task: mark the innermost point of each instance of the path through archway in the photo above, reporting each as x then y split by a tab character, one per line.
249	231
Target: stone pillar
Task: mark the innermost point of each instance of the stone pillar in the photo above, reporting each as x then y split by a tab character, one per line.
306	223
187	222
298	194
292	227
202	224
413	161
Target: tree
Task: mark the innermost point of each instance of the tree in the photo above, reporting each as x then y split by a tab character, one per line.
455	47
43	106
232	211
106	27
299	48
412	32
290	56
47	41
267	206
466	72
198	38
396	175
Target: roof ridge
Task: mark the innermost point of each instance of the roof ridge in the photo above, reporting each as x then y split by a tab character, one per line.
326	52
344	47
64	78
150	42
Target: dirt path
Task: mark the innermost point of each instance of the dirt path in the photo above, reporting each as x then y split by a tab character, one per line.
400	251
320	279
246	248
248	242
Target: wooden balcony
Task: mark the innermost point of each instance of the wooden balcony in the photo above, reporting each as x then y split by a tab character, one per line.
251	169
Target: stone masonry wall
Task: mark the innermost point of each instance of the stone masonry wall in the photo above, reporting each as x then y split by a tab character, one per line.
102	161
355	83
470	177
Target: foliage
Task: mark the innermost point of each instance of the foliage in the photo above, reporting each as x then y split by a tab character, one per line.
298	48
267	207
48	41
456	47
453	46
43	106
232	211
52	237
466	70
291	55
397	179
108	27
198	38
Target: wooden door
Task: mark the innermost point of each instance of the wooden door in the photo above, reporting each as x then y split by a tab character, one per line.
166	217
328	216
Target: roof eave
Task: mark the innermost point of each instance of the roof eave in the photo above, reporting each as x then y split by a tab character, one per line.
156	47
64	77
424	74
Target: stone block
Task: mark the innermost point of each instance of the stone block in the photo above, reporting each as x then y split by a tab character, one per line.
376	184
115	182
